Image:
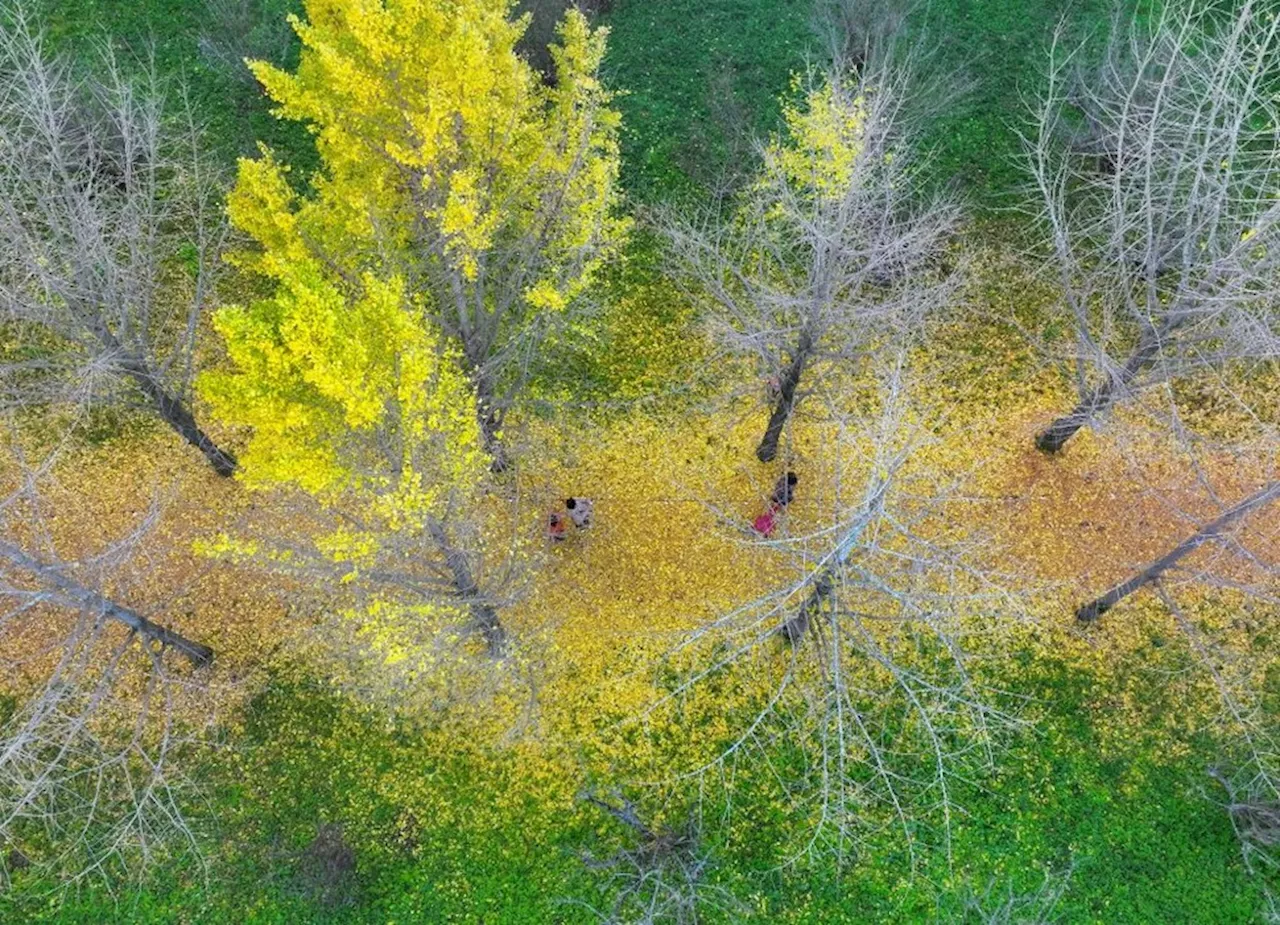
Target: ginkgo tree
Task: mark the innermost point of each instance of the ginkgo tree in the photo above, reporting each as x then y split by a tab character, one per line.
866	652
361	415
1157	175
448	161
834	247
104	702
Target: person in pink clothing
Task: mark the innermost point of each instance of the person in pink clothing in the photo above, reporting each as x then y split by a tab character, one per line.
783	492
767	522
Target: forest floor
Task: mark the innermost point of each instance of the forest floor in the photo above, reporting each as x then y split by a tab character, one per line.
1106	785
1103	794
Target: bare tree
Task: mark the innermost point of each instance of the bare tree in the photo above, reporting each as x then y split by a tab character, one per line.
1254	809
112	226
54	585
834	249
88	779
1217	531
1005	907
861	31
659	873
1157	175
870	656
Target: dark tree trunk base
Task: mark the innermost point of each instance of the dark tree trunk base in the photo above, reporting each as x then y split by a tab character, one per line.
71	593
767	451
499	462
1213	530
1056	435
768	448
174	412
1053	438
484	616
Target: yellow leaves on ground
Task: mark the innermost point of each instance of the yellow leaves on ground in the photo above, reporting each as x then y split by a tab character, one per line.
236	611
669	551
589	681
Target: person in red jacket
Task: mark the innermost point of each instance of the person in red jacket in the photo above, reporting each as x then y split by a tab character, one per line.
767	522
783	492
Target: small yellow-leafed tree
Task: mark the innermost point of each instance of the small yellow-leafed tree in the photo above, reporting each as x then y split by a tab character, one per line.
836	246
447	160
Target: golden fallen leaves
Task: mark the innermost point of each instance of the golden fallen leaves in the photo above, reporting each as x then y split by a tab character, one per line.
671	547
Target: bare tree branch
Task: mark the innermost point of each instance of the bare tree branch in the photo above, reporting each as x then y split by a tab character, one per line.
878	692
113	226
90	776
809	274
1212	531
1156	175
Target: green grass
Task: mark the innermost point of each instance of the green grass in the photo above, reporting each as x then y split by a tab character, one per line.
1139	838
232	110
697	73
1000	48
699	78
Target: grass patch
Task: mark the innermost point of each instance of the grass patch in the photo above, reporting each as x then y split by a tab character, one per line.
230	106
1141	842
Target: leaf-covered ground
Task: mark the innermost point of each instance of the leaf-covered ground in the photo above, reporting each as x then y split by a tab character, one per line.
1105	792
479	818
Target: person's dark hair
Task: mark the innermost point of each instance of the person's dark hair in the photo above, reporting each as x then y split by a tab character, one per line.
792	478
571	503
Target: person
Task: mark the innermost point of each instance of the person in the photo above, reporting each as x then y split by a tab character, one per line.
580	510
784	490
556	527
767	522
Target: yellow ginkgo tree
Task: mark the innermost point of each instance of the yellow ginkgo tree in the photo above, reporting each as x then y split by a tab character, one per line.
363	421
448	161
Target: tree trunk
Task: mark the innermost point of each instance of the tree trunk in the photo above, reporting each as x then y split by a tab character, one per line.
1054	437
1210	531
794	629
768	447
174	412
626	814
490	424
490	418
484	616
71	592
